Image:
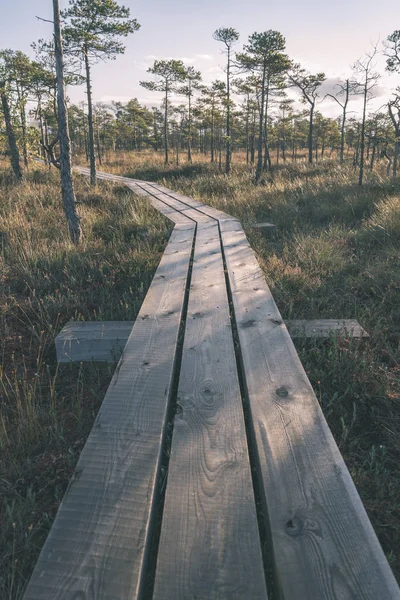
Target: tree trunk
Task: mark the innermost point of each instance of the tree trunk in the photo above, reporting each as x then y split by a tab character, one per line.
12	140
260	131
342	132
92	154
247	130
67	188
42	152
212	137
228	117
155	133
310	134
190	127
166	125
362	141
396	125
371	166
22	113
396	154
98	144
253	136
267	159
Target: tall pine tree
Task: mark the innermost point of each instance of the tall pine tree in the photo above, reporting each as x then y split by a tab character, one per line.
92	32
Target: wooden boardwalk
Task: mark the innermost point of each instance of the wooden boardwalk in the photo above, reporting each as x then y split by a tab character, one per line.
210	472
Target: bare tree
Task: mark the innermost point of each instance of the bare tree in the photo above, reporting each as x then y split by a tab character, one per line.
394	113
308	85
344	90
228	36
192	83
364	84
67	187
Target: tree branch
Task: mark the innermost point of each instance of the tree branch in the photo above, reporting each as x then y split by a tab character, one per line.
45	20
50	152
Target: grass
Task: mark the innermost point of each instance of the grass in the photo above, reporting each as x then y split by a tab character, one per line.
335	254
46	411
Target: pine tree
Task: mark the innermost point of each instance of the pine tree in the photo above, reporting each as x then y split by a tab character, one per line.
92	32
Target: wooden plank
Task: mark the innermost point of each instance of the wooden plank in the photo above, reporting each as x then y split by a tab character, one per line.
209	546
98	545
174	215
315	328
200	206
81	341
324	545
92	340
168	199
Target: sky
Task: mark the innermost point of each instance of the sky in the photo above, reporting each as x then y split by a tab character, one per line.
322	36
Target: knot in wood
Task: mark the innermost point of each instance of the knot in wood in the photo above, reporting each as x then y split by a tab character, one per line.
248	323
294	527
282	392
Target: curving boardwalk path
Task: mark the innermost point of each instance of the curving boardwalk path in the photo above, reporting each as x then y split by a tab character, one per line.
210	472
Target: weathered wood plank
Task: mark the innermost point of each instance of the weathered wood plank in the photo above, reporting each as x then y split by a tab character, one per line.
140	190
324	544
209	546
200	206
92	340
312	328
97	546
168	199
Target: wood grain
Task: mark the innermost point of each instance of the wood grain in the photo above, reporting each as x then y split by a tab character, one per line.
199	206
324	544
209	546
98	543
312	328
92	340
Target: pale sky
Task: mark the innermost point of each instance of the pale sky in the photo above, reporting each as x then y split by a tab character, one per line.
322	36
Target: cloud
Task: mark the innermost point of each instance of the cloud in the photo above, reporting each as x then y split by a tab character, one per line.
186	60
214	70
204	56
331	86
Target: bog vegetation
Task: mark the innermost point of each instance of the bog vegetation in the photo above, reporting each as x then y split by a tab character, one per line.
245	143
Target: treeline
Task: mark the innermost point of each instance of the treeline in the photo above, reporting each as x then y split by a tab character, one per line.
135	127
252	110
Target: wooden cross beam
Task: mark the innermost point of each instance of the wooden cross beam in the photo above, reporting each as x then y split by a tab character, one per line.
81	341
